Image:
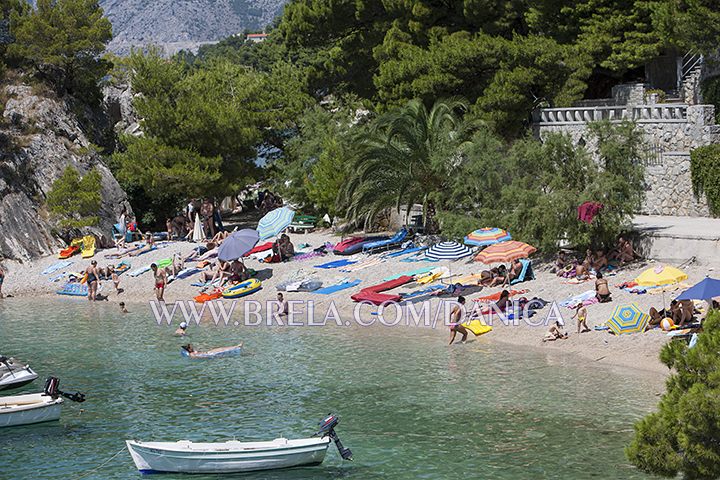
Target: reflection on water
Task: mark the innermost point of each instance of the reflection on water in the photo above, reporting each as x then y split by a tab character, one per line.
410	407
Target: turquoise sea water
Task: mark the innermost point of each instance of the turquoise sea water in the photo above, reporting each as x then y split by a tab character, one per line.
410	407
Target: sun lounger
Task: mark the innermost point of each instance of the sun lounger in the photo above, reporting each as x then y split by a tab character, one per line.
526	273
394	242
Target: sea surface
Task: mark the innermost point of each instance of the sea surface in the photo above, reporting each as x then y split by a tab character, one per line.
410	406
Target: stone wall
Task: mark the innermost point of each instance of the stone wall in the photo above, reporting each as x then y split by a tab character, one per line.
671	132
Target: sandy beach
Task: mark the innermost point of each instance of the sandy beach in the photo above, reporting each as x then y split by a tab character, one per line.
25	281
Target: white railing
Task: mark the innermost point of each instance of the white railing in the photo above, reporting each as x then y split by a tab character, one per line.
640	113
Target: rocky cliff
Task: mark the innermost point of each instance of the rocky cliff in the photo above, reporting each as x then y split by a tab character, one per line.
185	24
40	136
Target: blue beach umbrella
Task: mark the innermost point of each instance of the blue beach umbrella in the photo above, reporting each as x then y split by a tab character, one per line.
628	319
704	290
275	222
237	244
447	251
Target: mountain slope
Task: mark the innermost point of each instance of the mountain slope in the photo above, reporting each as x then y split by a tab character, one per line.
178	24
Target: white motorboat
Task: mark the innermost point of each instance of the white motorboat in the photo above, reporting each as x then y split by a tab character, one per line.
234	456
29	409
35	407
14	375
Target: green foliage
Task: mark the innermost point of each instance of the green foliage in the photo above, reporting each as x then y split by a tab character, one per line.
63	40
533	188
315	165
160	177
76	201
705	173
408	156
682	436
710	90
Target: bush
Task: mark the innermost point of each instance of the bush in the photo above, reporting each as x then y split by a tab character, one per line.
76	201
682	436
705	173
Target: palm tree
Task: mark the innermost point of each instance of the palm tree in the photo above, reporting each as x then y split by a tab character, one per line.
407	157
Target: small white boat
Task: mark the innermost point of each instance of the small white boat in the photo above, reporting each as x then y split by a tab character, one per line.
234	456
29	409
13	375
226	457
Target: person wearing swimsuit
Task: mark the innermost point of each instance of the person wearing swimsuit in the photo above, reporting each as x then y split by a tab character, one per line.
2	277
456	318
93	277
160	281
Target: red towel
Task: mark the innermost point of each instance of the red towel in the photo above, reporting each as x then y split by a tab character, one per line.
588	210
260	248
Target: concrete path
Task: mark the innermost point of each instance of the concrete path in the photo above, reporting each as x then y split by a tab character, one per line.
678	227
679	239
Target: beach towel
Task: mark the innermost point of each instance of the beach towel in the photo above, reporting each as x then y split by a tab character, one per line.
406	251
496	296
139	271
370	262
336	264
259	248
411	273
574	301
423	291
338	287
57	266
418	257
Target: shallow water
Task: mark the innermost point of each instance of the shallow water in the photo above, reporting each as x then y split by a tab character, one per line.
410	407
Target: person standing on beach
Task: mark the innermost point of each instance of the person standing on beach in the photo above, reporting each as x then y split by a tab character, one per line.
456	318
160	281
93	277
581	313
2	278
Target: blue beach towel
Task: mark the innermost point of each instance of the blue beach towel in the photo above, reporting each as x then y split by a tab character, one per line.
140	271
409	274
407	251
57	266
526	273
337	288
336	264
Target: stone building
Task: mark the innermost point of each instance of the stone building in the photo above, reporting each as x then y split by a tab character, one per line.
672	129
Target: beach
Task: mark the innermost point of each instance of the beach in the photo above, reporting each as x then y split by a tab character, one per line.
26	282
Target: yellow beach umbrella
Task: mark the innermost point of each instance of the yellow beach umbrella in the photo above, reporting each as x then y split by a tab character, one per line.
661	275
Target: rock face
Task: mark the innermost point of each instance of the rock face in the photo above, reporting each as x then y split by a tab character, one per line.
184	24
39	138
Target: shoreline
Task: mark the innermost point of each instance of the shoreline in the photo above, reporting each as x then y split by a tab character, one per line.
638	352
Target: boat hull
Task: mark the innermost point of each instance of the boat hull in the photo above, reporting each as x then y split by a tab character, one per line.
16	378
29	409
181	457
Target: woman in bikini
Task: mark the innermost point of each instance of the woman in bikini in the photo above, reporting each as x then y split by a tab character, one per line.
93	277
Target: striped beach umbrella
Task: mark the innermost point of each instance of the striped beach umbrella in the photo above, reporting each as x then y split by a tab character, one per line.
275	222
447	251
483	237
628	319
505	252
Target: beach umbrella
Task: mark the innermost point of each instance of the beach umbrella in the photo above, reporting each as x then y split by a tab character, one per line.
237	244
198	234
628	319
447	251
275	222
660	275
487	236
704	290
505	252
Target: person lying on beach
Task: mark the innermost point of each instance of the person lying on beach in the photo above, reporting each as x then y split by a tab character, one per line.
581	313
219	238
456	319
602	290
555	332
149	245
122	308
181	330
160	281
657	316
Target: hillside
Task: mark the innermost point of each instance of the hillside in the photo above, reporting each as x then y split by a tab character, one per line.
186	23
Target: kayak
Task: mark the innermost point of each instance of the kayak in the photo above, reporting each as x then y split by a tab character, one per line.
225	352
241	289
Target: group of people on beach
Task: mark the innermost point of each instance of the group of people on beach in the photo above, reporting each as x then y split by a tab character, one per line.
595	261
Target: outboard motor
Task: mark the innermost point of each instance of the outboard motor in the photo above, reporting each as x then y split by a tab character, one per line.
52	390
327	429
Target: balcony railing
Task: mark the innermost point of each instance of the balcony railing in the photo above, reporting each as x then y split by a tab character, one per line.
641	113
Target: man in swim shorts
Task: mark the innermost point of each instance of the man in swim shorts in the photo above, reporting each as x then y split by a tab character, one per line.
160	281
